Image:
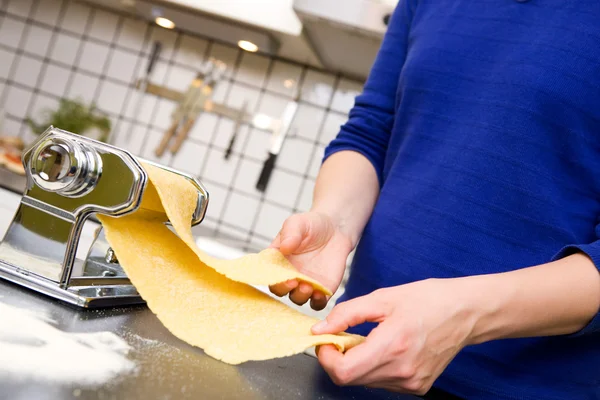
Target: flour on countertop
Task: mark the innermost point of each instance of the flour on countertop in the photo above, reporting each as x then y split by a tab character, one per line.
32	349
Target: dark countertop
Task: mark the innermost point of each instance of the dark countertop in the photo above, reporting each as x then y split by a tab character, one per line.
169	368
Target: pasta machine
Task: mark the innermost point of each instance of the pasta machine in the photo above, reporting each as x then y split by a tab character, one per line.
71	178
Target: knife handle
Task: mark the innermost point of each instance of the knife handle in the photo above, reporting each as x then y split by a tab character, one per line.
229	148
160	150
182	135
265	174
153	57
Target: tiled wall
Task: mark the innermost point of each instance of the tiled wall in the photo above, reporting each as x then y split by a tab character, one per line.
62	48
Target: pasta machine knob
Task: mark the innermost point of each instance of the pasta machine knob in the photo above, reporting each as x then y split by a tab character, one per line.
66	167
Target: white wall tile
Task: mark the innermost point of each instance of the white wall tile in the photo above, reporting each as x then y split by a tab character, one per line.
11	31
28	71
191	51
331	127
235	232
240	94
76	17
317	88
111	97
283	188
221	91
130	137
284	78
17	101
190	158
343	99
218	169
20	7
259	143
308	121
163	114
150	143
225	54
216	198
257	243
93	57
6	63
223	136
146	111
295	155
159	73
306	196
132	34
204	127
270	220
11	127
180	78
47	11
247	176
65	49
253	69
273	105
55	79
83	87
240	210
104	25
38	40
122	65
41	105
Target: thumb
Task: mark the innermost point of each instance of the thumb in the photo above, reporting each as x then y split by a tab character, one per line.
293	232
351	313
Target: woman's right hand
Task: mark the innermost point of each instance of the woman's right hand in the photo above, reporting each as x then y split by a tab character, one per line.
317	248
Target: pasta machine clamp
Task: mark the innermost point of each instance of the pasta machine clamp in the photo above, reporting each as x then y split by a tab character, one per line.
70	178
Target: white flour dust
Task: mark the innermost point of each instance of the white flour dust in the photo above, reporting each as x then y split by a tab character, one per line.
32	349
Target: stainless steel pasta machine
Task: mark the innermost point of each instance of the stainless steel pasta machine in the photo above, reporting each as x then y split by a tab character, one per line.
70	178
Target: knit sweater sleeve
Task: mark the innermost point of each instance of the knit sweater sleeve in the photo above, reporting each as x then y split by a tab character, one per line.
592	250
370	121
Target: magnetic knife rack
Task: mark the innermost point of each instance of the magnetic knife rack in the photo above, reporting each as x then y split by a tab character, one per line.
240	116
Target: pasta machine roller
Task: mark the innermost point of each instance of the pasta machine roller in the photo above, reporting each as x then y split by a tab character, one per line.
71	178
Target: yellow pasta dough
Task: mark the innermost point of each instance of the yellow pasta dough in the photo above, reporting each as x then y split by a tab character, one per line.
268	267
204	301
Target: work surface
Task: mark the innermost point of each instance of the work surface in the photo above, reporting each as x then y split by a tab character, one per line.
169	368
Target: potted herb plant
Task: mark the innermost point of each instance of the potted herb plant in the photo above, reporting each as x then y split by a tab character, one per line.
75	117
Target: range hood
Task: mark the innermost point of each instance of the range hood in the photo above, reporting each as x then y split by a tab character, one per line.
338	35
345	35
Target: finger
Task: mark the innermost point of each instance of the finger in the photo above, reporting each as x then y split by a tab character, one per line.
329	357
318	301
350	313
294	230
283	288
365	364
302	293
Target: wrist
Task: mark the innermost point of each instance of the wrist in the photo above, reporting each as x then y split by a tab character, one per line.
340	223
483	299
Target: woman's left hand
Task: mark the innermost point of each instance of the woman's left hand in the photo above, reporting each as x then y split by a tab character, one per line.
422	326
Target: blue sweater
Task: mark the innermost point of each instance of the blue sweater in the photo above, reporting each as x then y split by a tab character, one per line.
482	120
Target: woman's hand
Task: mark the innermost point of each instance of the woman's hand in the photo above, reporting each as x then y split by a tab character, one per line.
317	248
422	326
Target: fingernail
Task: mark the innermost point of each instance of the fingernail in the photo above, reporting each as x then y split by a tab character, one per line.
291	284
305	288
319	326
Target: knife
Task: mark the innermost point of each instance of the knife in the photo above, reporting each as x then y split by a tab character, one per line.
143	85
277	142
